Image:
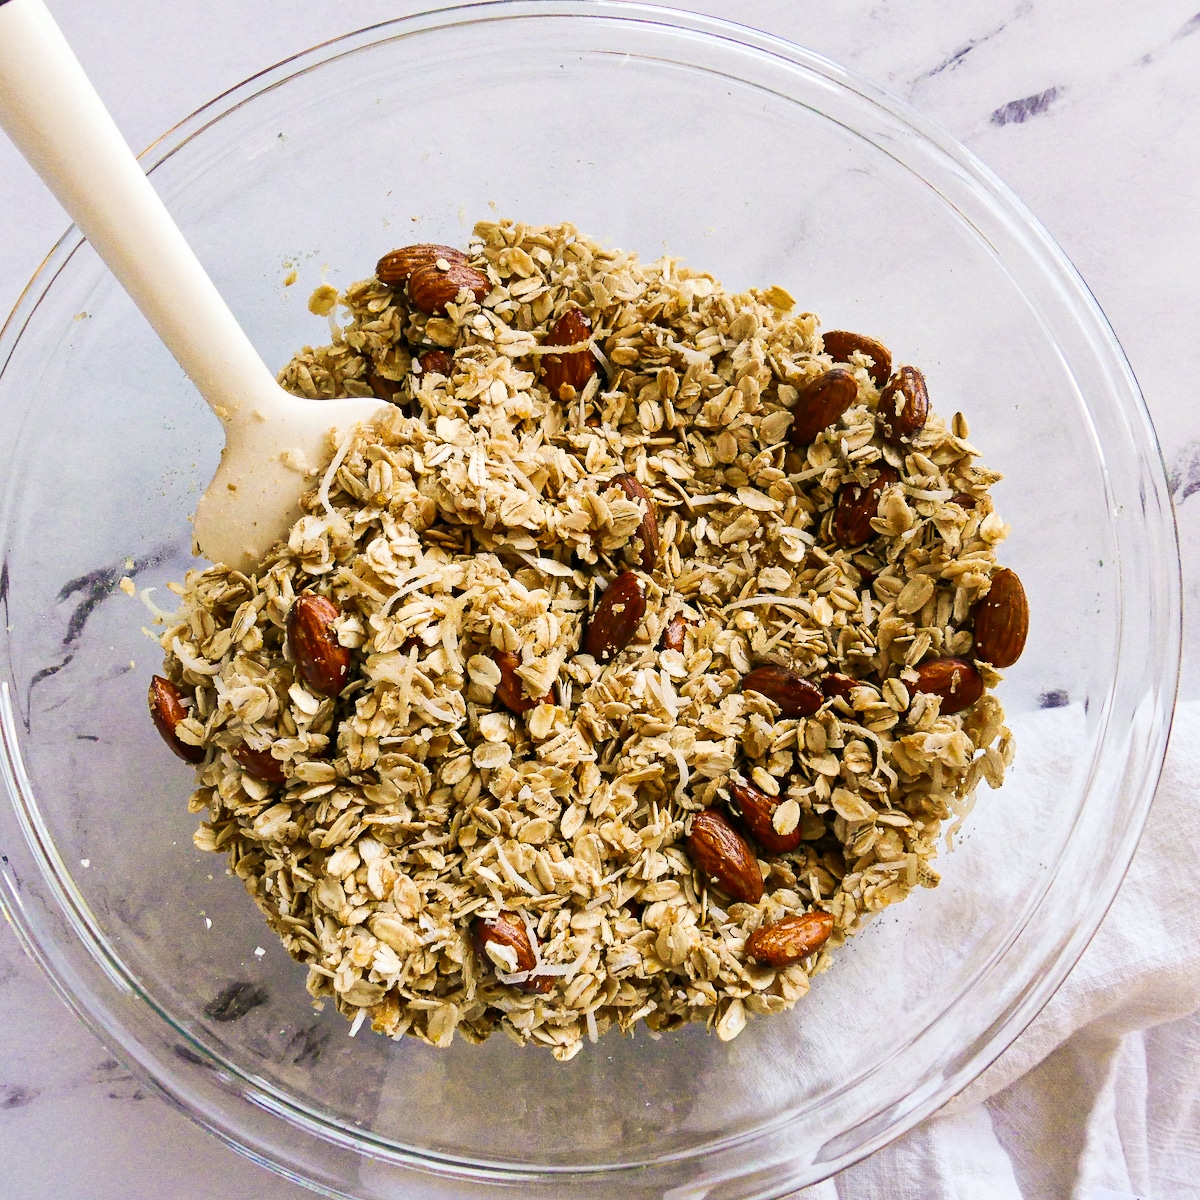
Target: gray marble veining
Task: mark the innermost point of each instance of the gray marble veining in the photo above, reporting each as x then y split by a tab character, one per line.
1088	109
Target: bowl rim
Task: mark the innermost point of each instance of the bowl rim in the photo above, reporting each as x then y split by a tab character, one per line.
1037	241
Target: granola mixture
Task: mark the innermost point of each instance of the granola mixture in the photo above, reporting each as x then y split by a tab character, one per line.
590	689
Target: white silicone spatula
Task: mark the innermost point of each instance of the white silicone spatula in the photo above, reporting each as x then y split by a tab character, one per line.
58	122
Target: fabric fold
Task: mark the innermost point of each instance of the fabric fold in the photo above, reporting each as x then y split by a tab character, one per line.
1102	1090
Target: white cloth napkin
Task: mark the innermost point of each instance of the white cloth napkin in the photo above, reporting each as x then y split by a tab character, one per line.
1099	1099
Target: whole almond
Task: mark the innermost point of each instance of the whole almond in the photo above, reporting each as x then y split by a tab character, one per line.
395	267
839	345
721	853
618	613
510	691
858	505
795	695
436	362
903	406
262	764
509	930
821	403
430	288
835	684
790	940
385	389
963	500
166	711
1002	620
574	369
756	810
675	632
955	680
647	531
322	662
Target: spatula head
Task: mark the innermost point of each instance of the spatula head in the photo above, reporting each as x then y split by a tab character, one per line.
275	450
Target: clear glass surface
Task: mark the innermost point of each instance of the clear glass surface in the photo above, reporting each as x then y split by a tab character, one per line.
656	131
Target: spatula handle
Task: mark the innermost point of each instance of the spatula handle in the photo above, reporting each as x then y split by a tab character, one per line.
52	113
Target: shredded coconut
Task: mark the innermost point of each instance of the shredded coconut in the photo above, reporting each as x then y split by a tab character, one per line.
478	522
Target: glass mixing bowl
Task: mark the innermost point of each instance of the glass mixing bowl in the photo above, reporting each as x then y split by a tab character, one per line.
656	131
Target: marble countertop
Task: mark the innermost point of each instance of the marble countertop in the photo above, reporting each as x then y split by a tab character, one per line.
1088	109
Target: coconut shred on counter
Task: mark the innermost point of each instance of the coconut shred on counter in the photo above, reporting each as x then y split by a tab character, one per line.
642	650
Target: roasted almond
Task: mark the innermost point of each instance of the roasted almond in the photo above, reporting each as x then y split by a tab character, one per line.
675	632
262	764
858	505
510	691
789	940
322	662
840	345
795	695
395	267
756	810
385	389
955	680
647	531
821	403
1002	620
509	930
430	288
573	370
166	711
618	613
903	406
963	500
436	362
720	852
835	684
